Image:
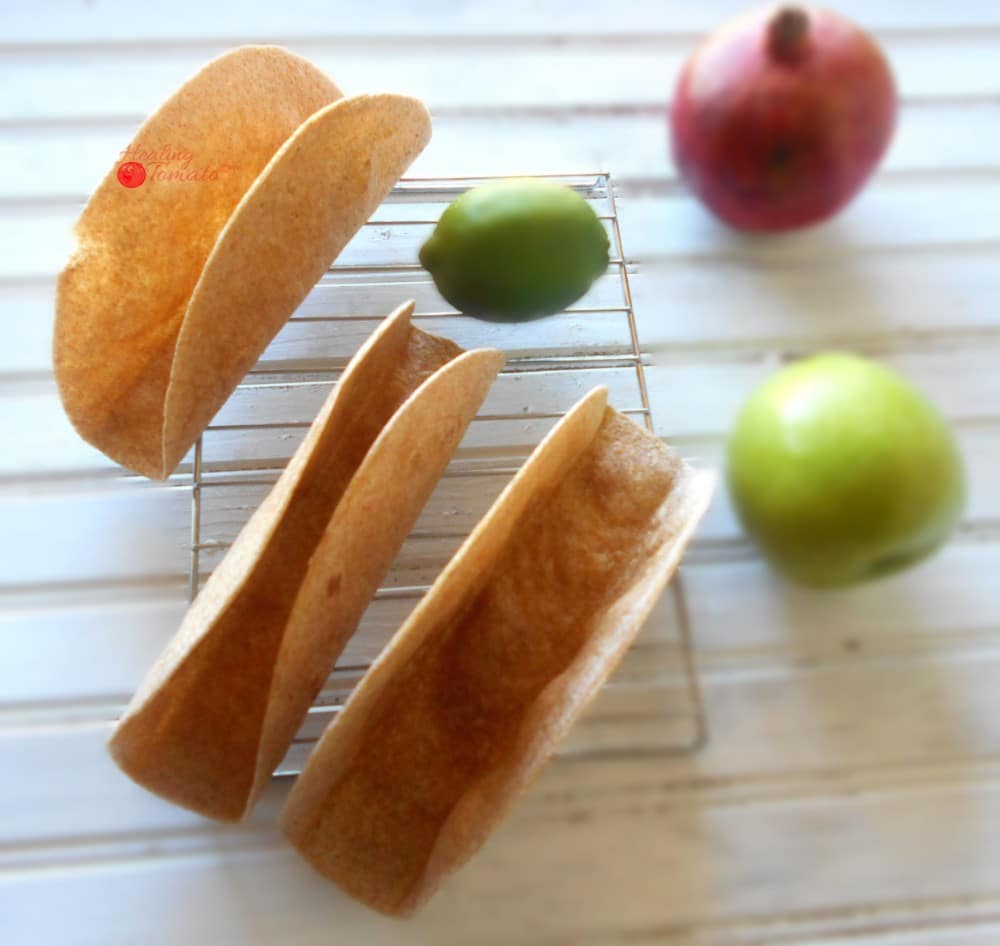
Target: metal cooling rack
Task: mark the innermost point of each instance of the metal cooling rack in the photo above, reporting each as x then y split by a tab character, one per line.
654	707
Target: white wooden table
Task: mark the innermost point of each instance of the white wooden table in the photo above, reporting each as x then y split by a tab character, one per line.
850	792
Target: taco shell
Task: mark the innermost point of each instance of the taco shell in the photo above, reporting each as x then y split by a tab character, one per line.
217	711
518	633
175	289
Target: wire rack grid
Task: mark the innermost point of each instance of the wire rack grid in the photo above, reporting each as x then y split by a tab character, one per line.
653	704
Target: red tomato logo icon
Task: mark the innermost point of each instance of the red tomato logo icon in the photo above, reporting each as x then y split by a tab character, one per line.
131	174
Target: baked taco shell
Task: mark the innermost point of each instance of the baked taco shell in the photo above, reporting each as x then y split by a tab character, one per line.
472	695
194	731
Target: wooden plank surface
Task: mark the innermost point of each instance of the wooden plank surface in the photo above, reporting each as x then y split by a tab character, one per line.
940	215
115	22
630	139
577	74
850	793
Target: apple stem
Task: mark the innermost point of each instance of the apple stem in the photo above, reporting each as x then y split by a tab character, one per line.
788	35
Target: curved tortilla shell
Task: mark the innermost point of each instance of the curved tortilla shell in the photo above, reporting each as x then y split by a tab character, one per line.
140	252
193	732
516	636
398	473
316	193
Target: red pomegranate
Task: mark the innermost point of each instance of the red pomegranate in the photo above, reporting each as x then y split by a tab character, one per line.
780	117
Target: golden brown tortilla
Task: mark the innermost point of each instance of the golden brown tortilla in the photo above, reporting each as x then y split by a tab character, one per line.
194	733
164	271
515	637
123	295
323	184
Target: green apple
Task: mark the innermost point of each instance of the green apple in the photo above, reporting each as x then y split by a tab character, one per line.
842	471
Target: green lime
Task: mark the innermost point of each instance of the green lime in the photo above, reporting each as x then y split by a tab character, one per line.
842	471
516	250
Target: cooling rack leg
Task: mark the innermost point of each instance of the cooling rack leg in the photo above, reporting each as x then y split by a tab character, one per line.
700	735
195	522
